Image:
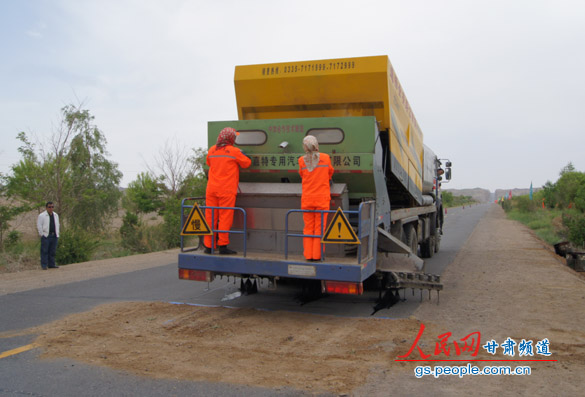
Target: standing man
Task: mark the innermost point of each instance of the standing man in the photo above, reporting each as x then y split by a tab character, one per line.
48	227
224	161
316	172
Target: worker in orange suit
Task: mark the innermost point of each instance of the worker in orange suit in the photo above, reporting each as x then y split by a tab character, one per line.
224	161
316	172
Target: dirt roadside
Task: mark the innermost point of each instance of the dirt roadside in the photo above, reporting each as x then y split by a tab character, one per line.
503	283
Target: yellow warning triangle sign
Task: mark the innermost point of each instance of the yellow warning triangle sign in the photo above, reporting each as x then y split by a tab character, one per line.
196	224
340	231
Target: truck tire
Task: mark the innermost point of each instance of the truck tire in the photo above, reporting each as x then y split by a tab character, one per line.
427	247
411	238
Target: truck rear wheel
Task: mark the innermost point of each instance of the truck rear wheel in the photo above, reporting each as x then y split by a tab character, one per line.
427	247
411	238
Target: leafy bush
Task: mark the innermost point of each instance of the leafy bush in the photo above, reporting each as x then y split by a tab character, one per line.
575	222
567	191
580	198
524	204
171	232
132	233
13	238
75	246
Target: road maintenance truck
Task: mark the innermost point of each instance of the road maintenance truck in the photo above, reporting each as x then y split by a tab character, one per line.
386	210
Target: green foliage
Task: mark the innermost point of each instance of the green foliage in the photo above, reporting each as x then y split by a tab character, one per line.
567	186
198	160
507	205
447	199
20	255
74	173
450	200
541	222
13	238
568	190
549	192
575	222
193	186
524	204
171	232
180	177
75	246
8	213
131	233
559	197
580	198
144	195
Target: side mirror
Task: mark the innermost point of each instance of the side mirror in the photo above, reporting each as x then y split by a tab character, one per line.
448	174
448	164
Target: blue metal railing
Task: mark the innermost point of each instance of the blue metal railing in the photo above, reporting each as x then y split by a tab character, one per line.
213	215
183	206
360	233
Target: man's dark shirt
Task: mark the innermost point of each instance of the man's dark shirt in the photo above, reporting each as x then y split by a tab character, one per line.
52	225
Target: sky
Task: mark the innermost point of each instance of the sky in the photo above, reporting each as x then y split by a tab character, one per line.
498	87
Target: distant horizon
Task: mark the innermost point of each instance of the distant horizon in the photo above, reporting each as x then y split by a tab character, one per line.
493	191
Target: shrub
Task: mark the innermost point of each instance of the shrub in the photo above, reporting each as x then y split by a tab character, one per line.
13	238
580	198
172	224
576	225
132	233
524	204
75	246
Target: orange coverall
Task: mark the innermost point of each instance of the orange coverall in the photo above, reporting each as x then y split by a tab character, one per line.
222	188
316	196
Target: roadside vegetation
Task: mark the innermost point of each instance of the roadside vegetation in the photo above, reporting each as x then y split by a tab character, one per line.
71	168
557	212
449	200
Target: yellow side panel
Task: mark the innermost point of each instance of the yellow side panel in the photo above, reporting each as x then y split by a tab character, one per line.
365	86
414	175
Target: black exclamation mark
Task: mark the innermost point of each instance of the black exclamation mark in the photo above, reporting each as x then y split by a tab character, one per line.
339	230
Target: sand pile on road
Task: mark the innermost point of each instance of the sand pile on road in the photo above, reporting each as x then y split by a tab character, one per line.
245	346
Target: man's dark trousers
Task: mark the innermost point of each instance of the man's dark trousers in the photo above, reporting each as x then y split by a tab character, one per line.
48	251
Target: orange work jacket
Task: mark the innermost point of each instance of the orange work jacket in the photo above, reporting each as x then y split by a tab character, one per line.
316	182
224	169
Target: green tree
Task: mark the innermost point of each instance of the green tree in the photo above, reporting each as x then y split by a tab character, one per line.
8	211
567	187
175	174
144	195
580	198
549	192
73	172
447	199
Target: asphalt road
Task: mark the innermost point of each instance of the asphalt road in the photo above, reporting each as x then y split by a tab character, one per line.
24	374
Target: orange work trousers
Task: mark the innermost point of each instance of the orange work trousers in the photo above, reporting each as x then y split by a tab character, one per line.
312	245
222	219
